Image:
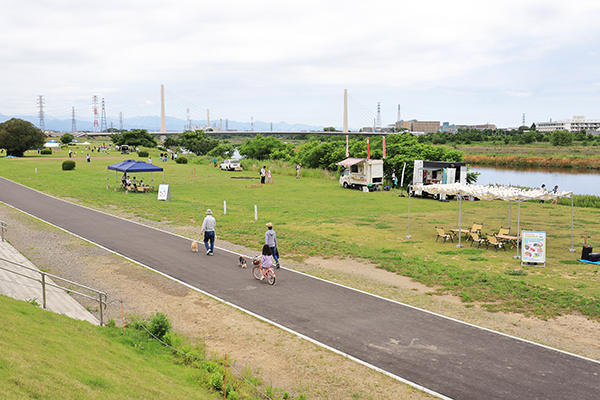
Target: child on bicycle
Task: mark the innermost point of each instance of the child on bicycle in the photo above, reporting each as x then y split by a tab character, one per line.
265	261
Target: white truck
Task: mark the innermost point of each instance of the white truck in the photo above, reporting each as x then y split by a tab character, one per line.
431	172
362	173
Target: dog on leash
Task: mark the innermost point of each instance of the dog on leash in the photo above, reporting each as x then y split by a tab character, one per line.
242	262
194	247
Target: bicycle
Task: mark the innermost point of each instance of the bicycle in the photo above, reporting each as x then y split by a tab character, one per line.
258	273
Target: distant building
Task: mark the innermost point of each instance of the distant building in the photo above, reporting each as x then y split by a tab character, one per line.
419	126
478	127
446	127
578	123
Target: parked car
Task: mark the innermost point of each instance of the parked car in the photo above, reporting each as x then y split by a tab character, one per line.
231	165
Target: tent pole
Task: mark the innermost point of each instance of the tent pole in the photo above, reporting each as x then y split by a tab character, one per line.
409	196
572	249
509	214
459	245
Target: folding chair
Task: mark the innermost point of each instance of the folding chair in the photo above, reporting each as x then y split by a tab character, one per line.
442	234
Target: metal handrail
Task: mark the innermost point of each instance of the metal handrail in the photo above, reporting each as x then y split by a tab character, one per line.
101	299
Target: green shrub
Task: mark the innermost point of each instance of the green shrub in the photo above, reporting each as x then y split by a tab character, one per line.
68	165
46	151
159	325
181	160
143	153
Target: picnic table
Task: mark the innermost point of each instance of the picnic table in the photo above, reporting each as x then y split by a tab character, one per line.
457	232
509	238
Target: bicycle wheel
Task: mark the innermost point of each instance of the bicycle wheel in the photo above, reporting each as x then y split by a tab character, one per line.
271	277
256	272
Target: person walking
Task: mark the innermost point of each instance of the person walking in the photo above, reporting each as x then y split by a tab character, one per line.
555	191
88	157
543	188
208	228
298	167
269	177
263	174
271	241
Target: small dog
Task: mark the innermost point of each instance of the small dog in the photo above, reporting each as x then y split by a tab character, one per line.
242	262
194	247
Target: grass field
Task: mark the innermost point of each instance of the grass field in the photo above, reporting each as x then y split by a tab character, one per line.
315	216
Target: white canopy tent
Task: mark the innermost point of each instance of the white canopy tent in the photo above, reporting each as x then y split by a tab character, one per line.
490	192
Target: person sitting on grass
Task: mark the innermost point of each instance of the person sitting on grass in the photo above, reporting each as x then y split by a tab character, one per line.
265	262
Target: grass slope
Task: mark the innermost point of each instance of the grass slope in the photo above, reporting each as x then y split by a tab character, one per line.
50	356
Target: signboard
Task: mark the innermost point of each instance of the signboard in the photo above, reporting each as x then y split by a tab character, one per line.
533	247
163	192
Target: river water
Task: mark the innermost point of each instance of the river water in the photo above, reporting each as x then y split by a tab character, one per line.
576	181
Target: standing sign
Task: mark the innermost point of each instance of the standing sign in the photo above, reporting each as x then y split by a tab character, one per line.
163	192
533	247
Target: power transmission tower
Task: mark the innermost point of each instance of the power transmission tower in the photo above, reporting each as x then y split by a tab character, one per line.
378	124
523	120
95	110
251	124
189	122
103	118
41	112
399	116
73	122
226	124
121	121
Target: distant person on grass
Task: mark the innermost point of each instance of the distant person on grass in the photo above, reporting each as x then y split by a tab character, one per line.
298	168
263	174
555	191
208	228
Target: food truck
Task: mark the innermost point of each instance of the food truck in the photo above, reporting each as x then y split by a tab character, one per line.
362	173
432	172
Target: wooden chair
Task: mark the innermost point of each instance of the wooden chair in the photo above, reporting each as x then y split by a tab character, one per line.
476	228
492	240
442	234
476	239
503	231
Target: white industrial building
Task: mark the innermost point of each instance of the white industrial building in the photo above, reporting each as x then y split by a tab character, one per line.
576	124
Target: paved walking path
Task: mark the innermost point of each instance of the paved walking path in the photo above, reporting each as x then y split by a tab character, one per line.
448	357
14	284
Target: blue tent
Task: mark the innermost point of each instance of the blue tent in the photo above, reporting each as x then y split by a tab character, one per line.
134	166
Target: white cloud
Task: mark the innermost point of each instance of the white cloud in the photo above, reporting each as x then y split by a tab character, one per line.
267	58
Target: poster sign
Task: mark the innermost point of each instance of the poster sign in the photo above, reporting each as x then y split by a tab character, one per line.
163	192
533	247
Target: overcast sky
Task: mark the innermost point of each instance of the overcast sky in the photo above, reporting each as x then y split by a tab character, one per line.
462	61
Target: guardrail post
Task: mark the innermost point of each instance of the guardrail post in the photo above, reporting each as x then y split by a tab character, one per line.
3	227
101	311
44	290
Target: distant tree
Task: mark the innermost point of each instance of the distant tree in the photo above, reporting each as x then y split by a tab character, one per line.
561	138
134	137
197	142
170	142
329	129
67	138
266	148
17	136
222	150
533	127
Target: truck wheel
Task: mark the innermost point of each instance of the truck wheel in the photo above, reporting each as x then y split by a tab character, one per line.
345	185
411	193
436	196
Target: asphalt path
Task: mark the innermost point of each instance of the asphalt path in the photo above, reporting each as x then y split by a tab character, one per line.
445	356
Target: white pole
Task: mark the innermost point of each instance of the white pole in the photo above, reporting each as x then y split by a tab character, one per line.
572	249
518	226
408	236
255	213
459	245
224	207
